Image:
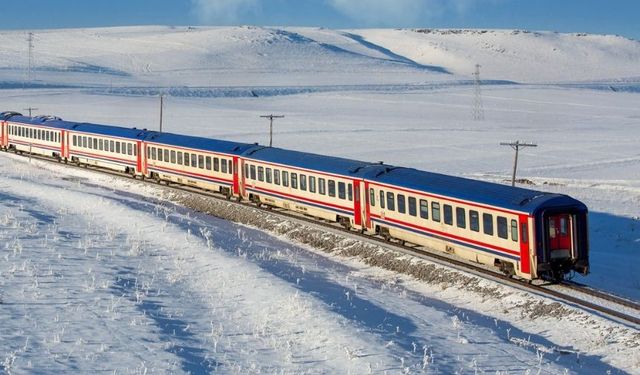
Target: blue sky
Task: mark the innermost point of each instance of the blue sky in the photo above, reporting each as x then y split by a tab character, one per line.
594	16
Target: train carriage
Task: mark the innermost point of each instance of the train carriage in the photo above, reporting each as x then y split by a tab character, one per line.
42	135
523	232
106	146
205	163
316	185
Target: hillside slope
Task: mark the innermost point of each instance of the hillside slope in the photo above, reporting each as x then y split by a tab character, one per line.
267	56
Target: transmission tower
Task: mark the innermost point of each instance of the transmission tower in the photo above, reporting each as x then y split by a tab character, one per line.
478	110
30	43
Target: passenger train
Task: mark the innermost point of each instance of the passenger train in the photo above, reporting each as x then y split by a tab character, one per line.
526	233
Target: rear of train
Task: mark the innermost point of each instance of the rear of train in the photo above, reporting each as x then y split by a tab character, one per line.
562	238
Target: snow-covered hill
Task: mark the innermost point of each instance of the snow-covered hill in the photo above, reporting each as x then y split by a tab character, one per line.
259	56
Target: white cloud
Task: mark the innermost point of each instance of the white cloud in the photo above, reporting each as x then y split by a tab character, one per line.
223	11
399	13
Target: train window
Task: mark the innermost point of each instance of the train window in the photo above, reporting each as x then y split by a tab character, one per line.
461	218
285	178
223	165
38	134
230	165
179	159
112	146
503	230
294	180
269	175
401	204
381	199
474	221
276	176
372	197
166	152
332	188
173	156
90	142
391	204
350	192
75	140
207	163
194	160
201	161
260	173
514	230
152	153
563	226
524	233
216	165
186	159
312	184
424	209
84	142
95	143
303	182
48	136
130	151
448	214
252	172
101	145
435	211
322	189
413	208
160	158
118	150
135	150
487	224
342	193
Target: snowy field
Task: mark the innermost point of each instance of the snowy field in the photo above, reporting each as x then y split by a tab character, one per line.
103	279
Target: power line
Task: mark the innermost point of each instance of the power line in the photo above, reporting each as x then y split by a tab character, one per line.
271	117
516	146
478	110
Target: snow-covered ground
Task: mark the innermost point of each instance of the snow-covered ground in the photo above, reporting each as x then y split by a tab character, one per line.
100	279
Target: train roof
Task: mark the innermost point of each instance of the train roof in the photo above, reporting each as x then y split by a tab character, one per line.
58	123
113	131
305	160
493	194
199	143
50	121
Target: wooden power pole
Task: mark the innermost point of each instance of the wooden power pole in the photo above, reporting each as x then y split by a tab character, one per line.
271	117
516	146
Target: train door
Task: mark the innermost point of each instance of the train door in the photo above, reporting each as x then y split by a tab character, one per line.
560	236
236	176
3	134
367	206
139	157
357	205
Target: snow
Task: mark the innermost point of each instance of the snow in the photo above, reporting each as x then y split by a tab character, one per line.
123	281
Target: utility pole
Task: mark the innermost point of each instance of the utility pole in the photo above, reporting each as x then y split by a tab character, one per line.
516	146
30	109
478	110
271	117
30	41
161	105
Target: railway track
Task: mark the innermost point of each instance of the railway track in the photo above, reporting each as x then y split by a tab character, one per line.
576	294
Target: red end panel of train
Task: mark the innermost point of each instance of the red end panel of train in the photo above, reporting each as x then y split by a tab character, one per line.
3	134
